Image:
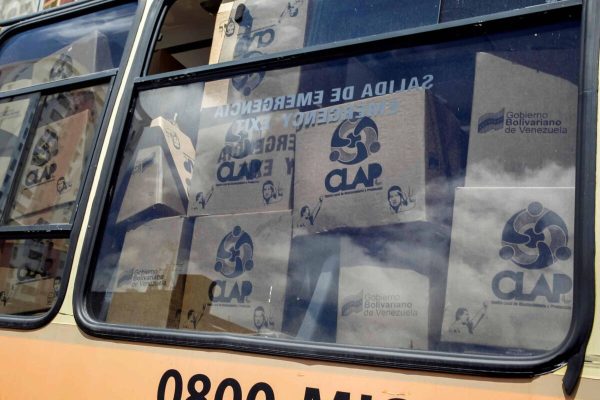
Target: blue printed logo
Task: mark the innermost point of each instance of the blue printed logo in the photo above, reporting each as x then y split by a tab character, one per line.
354	140
234	256
490	122
535	238
239	142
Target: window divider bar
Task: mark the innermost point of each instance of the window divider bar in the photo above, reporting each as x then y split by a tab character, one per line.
64	84
54	231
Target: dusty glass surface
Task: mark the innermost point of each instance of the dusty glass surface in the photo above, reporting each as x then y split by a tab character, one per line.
16	8
77	46
56	157
420	198
13	114
31	272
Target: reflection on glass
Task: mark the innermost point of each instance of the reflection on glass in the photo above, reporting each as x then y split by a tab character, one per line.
457	9
16	8
56	158
244	29
31	271
420	198
78	46
12	116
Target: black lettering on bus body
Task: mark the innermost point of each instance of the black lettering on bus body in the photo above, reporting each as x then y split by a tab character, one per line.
195	394
261	387
236	389
164	380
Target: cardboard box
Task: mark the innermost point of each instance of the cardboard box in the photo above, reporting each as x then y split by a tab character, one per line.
243	166
84	56
12	116
16	76
50	181
30	275
157	308
242	262
160	174
381	303
151	258
151	188
263	29
510	275
523	126
384	166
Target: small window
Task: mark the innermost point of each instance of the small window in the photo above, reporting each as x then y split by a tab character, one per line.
47	135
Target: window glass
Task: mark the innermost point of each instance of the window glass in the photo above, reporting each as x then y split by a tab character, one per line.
420	198
78	46
30	274
15	8
13	114
457	9
57	155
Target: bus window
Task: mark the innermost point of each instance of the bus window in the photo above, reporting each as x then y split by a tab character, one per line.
414	202
75	47
47	134
15	8
458	9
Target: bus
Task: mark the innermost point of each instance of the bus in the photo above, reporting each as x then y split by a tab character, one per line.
299	199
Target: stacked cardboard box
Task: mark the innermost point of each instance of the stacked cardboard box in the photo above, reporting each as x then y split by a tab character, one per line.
148	284
12	117
243	166
237	273
50	182
84	56
160	175
510	269
261	29
523	126
371	162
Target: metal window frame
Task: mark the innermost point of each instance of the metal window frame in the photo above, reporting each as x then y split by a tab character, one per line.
113	78
419	360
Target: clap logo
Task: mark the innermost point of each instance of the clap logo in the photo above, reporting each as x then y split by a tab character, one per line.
44	150
353	141
234	257
534	239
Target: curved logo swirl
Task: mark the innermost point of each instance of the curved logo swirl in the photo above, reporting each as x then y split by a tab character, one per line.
45	148
354	140
239	142
535	238
234	256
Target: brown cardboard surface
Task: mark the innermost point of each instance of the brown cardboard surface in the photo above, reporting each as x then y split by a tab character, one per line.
380	304
84	56
237	272
263	29
161	172
28	296
523	126
243	166
159	308
52	176
150	257
385	166
196	309
12	116
151	186
511	268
